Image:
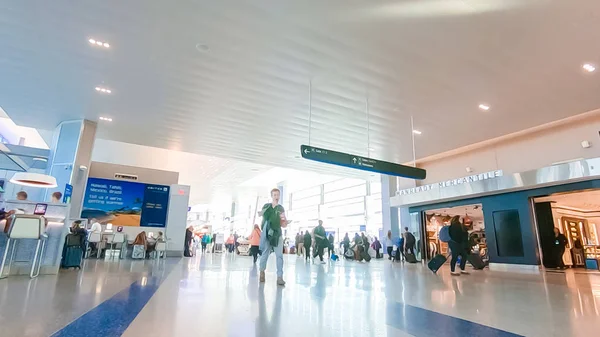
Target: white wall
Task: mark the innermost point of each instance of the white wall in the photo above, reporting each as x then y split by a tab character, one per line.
177	218
522	153
204	174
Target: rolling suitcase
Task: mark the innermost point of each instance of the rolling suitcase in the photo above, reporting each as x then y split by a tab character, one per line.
139	252
436	263
366	256
71	257
476	261
411	258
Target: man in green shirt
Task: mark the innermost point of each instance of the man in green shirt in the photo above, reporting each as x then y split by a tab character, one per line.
274	219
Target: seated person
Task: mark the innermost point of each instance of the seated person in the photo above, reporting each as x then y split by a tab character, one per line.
161	237
95	228
141	240
22	196
151	243
76	229
56	197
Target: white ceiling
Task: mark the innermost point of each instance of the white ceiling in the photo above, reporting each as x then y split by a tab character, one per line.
588	201
246	97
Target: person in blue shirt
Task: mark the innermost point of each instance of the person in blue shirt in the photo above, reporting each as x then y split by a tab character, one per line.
205	241
400	252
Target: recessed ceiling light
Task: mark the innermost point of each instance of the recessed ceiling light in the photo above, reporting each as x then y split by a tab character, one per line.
103	90
484	107
106	119
202	48
590	68
99	43
40	159
417	132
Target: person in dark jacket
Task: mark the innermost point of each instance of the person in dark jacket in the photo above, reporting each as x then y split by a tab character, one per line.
188	242
346	243
560	244
76	229
330	248
307	245
321	241
458	245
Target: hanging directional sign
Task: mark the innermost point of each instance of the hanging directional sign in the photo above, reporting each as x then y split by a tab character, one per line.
361	163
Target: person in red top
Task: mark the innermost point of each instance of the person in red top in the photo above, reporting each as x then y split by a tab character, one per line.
255	242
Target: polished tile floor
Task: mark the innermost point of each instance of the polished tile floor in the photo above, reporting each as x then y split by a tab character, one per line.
219	295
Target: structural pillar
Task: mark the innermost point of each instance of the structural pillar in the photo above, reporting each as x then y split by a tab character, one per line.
389	215
70	159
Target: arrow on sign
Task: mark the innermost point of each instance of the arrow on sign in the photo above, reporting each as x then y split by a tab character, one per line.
306	151
354	160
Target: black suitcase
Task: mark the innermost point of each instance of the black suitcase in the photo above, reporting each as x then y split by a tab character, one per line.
476	261
410	258
72	257
366	256
398	255
436	263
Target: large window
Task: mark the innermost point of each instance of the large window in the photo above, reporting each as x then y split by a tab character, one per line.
345	206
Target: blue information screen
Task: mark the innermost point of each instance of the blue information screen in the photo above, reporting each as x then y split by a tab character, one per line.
125	203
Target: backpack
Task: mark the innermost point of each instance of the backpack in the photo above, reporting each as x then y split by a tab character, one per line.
410	239
444	234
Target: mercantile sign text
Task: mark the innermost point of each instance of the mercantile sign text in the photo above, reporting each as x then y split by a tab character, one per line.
453	182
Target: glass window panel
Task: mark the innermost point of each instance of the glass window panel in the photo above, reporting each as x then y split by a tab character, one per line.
347	193
341	184
309	192
306	202
375	188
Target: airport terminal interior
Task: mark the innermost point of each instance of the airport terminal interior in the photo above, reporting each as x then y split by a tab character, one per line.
302	168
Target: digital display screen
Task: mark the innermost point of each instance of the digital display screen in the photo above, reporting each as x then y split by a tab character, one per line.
125	203
40	209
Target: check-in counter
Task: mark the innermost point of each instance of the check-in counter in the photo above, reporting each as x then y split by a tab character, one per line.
56	230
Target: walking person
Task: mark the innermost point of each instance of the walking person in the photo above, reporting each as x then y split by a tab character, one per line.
389	244
346	243
274	219
330	247
204	242
307	244
409	242
560	244
188	242
320	241
300	246
376	245
459	240
255	242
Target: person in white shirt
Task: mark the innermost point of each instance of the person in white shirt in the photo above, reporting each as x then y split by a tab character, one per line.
96	226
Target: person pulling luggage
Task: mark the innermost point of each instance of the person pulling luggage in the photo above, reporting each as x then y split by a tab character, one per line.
459	241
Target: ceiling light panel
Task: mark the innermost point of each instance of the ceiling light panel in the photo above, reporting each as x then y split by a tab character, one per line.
417	132
106	119
99	43
484	107
590	68
103	90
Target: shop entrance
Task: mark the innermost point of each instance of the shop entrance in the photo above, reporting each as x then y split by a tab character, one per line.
470	215
576	216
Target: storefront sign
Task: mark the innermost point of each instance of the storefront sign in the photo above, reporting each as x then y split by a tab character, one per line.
453	182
